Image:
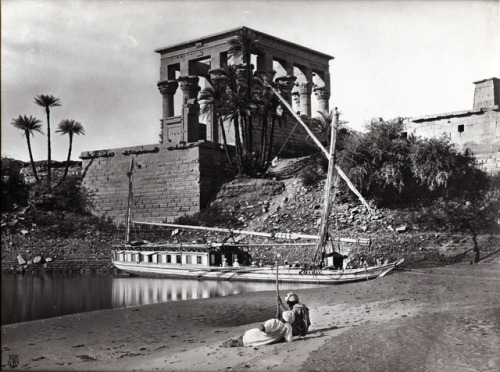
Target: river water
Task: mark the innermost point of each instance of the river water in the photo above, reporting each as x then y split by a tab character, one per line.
31	297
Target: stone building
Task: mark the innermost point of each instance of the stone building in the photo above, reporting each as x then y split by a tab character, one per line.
477	129
303	73
183	172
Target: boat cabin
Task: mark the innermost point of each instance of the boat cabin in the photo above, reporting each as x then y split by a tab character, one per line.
180	255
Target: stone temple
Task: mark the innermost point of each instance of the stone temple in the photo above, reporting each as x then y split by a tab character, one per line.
184	171
477	129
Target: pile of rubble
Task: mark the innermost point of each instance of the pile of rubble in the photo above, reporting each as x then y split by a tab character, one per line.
34	240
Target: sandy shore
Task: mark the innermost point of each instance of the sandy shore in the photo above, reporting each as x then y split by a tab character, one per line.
440	319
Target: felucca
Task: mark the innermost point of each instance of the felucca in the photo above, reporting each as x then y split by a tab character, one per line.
229	261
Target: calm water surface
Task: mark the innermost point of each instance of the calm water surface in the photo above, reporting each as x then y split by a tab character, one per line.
30	297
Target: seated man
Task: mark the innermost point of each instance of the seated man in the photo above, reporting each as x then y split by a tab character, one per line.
302	322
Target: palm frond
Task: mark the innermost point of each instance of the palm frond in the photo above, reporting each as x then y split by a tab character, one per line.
70	126
28	124
45	100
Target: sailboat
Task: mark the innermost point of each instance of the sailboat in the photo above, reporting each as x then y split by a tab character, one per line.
231	261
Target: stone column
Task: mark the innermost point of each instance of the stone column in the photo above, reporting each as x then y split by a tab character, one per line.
265	67
305	98
190	108
322	95
189	86
167	89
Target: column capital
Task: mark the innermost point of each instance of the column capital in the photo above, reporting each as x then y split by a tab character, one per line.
189	86
304	87
168	87
266	75
188	80
286	83
321	92
216	73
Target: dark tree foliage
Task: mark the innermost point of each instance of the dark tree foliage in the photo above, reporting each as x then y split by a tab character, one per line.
70	196
388	167
14	189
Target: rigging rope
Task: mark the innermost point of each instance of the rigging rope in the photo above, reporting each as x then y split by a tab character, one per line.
284	143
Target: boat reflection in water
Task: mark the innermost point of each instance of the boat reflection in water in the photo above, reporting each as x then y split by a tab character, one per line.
143	291
31	297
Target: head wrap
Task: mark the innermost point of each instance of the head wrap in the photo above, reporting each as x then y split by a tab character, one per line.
288	316
291	297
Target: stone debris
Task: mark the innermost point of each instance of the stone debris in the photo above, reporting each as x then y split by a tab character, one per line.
402	229
21	260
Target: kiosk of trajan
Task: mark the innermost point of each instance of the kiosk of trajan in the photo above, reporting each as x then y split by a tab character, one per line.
183	172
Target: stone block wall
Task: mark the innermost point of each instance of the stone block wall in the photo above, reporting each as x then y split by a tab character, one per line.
167	182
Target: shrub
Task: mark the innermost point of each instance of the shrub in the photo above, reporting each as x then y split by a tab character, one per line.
71	197
311	175
212	216
14	189
390	168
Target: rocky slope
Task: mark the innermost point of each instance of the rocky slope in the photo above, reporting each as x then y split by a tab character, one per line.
35	240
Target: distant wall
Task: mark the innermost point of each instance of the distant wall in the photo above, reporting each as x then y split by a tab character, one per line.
477	130
167	182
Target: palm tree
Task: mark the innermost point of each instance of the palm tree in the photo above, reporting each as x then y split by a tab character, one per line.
69	127
29	125
322	124
244	45
228	98
268	105
48	101
212	98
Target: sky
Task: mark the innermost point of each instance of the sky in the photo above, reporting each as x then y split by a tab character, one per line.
392	58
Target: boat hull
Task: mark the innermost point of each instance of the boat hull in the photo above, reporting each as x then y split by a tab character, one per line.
264	274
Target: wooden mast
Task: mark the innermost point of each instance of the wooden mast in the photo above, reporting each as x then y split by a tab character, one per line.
129	202
322	148
328	186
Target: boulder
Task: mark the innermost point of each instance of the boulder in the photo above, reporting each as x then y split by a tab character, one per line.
402	229
37	259
21	260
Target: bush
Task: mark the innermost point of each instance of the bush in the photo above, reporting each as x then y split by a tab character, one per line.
387	167
311	175
14	189
69	196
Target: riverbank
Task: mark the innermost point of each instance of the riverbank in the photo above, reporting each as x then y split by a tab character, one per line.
442	319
